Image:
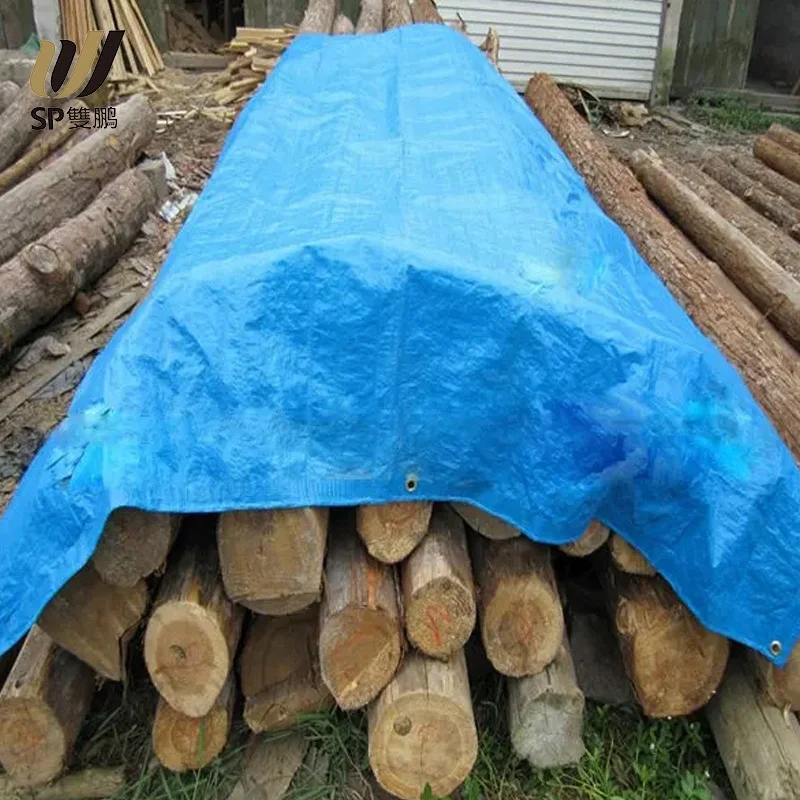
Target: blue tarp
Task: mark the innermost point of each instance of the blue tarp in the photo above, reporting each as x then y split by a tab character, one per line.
394	272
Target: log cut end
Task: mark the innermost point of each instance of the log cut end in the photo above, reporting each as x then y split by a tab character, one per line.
422	729
360	650
484	523
32	745
272	560
673	662
134	544
593	538
628	558
392	530
779	685
187	656
184	743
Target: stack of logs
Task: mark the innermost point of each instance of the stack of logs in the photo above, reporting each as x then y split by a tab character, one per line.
742	212
71	201
355	607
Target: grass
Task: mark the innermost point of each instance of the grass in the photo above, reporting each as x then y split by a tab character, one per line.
628	757
734	114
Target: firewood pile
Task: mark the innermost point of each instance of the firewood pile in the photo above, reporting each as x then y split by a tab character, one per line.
186	34
71	202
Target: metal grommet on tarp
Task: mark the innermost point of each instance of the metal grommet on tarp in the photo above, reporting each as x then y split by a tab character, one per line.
775	648
411	482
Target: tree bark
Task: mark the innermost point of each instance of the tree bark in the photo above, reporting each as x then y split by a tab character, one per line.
8	91
760	747
319	17
95	621
342	26
545	714
594	537
764	234
784	136
779	685
193	631
774	181
272	560
396	13
391	531
279	671
370	18
181	743
425	11
422	729
87	784
438	590
70	183
42	707
771	205
361	640
522	622
674	664
768	364
762	279
627	558
134	544
785	161
16	131
46	275
45	144
484	523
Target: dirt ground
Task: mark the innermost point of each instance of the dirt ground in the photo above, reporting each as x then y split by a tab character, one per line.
192	144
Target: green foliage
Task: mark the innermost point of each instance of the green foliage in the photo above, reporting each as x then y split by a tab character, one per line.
734	114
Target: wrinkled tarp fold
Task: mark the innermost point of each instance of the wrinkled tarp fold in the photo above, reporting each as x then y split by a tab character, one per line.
394	271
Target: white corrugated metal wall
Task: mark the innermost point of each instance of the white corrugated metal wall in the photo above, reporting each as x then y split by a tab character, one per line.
609	46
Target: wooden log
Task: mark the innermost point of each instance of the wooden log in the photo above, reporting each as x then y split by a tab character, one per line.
342	25
396	13
392	530
772	180
764	234
42	707
37	152
193	631
484	523
8	91
16	131
133	545
757	196
627	558
269	766
44	277
778	157
422	729
674	664
279	671
784	136
593	538
181	743
86	784
767	363
779	685
272	560
318	17
545	714
438	590
425	11
522	622
95	620
361	640
759	745
370	18
764	281
70	183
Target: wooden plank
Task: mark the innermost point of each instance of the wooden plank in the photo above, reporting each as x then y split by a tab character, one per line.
153	51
